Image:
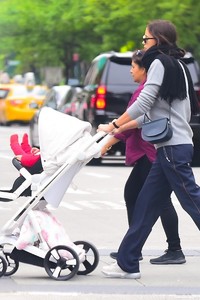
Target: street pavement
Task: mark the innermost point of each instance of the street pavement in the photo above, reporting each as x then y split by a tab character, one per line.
157	282
89	212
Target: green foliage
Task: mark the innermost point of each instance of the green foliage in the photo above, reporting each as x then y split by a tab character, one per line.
48	32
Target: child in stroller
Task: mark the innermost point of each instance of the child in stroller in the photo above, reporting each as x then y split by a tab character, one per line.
29	158
34	236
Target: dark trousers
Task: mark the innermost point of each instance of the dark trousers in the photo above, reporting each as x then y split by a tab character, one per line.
170	172
132	189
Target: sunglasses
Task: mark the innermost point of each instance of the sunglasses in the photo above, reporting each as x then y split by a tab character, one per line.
145	39
139	53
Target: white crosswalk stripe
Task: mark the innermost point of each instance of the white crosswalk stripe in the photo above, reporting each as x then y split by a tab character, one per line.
76	205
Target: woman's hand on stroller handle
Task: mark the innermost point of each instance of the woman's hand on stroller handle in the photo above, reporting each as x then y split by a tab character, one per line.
107	128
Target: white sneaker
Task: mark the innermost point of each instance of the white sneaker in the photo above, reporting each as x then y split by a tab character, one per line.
114	271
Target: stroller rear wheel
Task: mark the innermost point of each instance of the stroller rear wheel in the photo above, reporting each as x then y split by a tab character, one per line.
12	265
91	258
61	262
3	266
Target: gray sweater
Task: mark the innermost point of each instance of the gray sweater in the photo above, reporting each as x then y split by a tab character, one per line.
149	102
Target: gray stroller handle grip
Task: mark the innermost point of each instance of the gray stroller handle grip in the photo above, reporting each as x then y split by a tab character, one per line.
17	164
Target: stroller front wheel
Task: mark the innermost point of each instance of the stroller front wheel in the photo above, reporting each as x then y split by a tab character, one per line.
91	258
61	262
3	266
12	265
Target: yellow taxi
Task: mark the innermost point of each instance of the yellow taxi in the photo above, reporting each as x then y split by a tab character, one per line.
18	102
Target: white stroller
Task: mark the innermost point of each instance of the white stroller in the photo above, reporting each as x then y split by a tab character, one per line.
65	148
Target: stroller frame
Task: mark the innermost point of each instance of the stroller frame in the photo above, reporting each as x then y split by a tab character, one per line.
41	254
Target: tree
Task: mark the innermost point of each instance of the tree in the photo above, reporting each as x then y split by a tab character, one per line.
49	32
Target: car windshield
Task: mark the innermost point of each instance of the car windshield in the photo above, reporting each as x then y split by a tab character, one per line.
19	91
39	91
3	93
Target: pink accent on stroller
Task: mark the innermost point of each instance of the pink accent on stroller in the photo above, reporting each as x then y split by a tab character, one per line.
65	148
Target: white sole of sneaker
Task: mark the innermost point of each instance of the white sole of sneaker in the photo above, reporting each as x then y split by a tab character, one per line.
122	275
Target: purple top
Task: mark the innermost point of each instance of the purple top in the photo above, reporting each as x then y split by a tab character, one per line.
136	147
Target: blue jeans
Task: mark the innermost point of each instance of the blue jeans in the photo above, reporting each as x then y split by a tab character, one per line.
170	172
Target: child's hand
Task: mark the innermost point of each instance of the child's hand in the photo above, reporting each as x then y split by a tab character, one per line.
18	157
35	150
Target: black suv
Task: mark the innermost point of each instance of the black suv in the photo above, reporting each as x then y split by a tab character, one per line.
108	87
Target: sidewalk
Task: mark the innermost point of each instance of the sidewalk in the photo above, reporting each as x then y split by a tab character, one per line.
157	282
161	282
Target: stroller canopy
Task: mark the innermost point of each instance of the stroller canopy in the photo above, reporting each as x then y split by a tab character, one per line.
60	136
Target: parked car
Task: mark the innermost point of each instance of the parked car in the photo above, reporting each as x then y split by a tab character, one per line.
194	69
69	105
17	103
61	98
108	87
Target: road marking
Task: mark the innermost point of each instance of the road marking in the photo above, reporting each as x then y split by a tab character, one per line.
97	175
4	208
6	156
72	190
112	205
87	204
69	206
94	205
76	205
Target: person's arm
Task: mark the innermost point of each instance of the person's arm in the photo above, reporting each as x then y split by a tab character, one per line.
123	119
130	125
109	145
144	102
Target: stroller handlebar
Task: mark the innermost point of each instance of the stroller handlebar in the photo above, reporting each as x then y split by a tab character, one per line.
99	135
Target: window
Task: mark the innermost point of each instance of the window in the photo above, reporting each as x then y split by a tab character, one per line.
3	93
119	74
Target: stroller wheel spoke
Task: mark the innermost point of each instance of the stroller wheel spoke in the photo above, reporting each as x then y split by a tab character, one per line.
55	254
61	263
87	264
12	265
86	247
56	272
91	258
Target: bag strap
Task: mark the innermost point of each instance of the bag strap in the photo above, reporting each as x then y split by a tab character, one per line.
186	80
149	119
187	91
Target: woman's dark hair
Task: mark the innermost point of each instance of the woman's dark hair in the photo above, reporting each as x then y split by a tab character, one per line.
163	31
166	35
137	57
